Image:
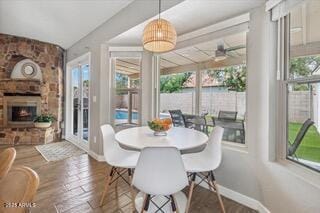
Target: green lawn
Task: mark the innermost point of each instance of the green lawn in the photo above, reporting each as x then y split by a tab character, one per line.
309	149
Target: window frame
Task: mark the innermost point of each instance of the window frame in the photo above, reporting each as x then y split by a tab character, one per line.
283	95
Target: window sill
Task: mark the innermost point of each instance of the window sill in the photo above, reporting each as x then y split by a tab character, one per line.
235	146
308	175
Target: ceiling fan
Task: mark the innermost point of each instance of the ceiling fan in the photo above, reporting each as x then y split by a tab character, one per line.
222	53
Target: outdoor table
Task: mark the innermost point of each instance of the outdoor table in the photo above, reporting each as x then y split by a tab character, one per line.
236	125
231	126
184	139
202	124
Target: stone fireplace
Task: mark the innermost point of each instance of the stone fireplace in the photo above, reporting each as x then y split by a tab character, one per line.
24	95
19	110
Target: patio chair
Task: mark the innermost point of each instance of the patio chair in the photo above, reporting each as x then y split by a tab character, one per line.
197	122
292	147
177	118
227	115
201	124
240	133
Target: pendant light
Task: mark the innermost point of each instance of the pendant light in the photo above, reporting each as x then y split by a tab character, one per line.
159	35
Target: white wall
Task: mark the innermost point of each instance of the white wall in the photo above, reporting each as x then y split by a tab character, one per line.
147	88
276	185
96	43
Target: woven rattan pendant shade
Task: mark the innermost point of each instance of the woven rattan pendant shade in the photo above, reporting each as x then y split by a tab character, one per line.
159	36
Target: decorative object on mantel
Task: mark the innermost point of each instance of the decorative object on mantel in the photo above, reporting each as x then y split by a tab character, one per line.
59	151
26	69
160	126
29	70
43	121
159	35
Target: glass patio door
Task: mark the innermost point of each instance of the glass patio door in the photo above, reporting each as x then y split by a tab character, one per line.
78	104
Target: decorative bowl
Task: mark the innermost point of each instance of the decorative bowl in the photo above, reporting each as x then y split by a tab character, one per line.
160	126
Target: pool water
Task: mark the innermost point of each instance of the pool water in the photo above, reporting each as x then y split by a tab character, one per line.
122	114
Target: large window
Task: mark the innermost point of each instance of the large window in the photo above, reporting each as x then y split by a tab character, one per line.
303	86
223	92
207	83
177	91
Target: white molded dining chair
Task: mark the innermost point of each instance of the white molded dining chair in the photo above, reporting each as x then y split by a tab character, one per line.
121	160
203	163
160	172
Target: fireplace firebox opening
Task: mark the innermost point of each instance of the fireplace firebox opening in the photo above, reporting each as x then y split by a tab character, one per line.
20	111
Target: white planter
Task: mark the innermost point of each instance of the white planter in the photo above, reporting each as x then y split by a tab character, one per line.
42	124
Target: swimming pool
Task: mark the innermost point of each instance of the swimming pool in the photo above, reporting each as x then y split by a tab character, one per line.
123	114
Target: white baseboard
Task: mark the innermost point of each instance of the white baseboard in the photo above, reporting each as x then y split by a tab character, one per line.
240	198
97	157
90	153
243	199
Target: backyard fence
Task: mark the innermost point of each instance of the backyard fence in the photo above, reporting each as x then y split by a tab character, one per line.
213	102
299	106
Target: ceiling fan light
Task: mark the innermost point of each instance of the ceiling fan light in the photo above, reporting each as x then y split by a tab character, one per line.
159	36
220	58
220	55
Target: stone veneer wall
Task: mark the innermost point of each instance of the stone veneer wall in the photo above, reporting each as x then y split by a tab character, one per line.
50	59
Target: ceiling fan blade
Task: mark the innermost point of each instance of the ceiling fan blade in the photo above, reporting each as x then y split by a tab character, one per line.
229	54
199	50
236	48
211	51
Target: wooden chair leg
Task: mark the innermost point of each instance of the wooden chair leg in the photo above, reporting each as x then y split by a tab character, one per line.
219	196
145	205
214	187
116	191
107	184
174	204
193	179
131	189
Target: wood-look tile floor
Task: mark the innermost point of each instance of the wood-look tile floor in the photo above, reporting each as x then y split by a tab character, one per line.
76	185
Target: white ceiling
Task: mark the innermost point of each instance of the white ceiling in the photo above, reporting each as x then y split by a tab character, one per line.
204	51
128	66
305	24
190	55
61	22
191	15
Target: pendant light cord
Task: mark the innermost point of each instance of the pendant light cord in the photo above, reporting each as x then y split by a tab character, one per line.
159	8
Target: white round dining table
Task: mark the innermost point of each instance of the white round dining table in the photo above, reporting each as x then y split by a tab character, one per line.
183	139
